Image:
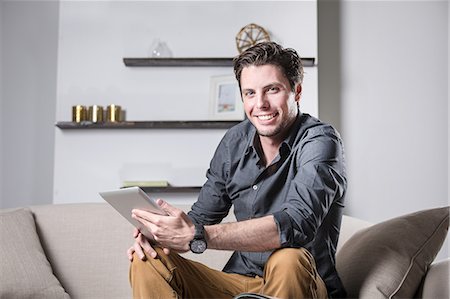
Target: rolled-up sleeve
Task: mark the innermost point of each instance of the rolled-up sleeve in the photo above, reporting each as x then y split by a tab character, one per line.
319	183
284	225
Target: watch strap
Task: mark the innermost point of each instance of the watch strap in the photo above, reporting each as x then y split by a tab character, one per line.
199	233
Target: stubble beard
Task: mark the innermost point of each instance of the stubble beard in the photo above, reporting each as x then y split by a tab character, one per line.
277	130
283	126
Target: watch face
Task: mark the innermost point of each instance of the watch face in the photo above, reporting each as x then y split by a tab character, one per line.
198	246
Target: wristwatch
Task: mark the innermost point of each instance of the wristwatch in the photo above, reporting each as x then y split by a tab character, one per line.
198	244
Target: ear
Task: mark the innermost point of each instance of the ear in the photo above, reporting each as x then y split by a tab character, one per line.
298	92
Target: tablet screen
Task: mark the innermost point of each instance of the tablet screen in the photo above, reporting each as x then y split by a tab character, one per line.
127	199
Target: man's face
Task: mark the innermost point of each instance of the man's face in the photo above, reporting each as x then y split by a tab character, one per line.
269	103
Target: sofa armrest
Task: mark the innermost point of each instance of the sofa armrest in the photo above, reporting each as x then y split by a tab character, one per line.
436	281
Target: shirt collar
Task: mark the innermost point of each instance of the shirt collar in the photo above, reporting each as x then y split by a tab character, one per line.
290	139
251	140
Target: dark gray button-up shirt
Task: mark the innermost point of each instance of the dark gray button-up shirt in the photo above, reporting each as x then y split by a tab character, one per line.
303	188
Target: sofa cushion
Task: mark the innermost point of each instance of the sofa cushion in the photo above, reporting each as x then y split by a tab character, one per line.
86	245
25	271
390	259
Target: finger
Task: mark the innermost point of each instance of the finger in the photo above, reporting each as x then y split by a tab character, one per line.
166	250
146	246
135	232
138	251
171	210
146	222
141	214
145	217
130	252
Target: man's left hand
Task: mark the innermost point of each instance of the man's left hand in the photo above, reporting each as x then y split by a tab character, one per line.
174	231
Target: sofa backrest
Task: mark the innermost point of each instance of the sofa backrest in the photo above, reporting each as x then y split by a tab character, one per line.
350	225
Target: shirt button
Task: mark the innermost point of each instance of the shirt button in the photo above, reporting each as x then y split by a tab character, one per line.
255	187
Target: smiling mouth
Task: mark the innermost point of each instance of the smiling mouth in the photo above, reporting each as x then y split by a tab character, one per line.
267	116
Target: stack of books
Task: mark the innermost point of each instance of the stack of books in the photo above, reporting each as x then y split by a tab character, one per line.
160	184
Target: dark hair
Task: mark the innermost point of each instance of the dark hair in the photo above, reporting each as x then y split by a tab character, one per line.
263	53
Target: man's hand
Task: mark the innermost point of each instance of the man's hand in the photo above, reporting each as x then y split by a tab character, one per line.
141	245
174	231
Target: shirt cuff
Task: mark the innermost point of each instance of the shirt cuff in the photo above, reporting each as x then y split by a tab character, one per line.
284	225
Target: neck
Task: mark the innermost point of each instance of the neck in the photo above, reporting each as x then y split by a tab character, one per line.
270	145
269	149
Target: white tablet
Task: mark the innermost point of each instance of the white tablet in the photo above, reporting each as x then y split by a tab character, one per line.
127	199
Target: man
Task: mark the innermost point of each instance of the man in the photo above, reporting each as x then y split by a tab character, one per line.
284	173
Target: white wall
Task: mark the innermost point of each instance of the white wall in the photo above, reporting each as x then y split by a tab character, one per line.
392	102
95	36
29	48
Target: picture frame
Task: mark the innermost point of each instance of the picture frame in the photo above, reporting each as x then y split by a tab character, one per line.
225	99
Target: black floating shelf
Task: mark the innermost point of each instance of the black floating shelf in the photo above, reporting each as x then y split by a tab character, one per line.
176	62
192	62
148	125
171	189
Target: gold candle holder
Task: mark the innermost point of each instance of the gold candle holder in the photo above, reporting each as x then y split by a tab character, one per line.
78	113
113	113
95	114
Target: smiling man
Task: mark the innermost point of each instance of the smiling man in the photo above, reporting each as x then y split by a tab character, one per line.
284	173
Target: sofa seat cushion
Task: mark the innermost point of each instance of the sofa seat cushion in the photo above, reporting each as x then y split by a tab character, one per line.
436	283
390	259
25	271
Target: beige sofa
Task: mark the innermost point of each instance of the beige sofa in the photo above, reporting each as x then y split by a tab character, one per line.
78	251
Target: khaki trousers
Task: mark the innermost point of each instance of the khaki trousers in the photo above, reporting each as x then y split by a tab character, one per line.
289	273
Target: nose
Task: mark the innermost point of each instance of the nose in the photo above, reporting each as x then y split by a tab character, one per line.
261	101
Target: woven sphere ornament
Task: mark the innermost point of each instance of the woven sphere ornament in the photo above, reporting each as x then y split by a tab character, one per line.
249	36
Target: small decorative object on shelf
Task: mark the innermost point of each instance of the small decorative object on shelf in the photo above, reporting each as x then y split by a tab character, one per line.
78	113
160	49
225	103
95	114
250	35
114	113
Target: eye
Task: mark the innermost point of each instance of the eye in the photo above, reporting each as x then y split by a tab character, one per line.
248	93
274	89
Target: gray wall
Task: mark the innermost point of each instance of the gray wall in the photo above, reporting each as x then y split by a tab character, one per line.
384	85
1	100
383	81
29	35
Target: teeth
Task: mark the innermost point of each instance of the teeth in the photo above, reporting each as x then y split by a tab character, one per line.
266	117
